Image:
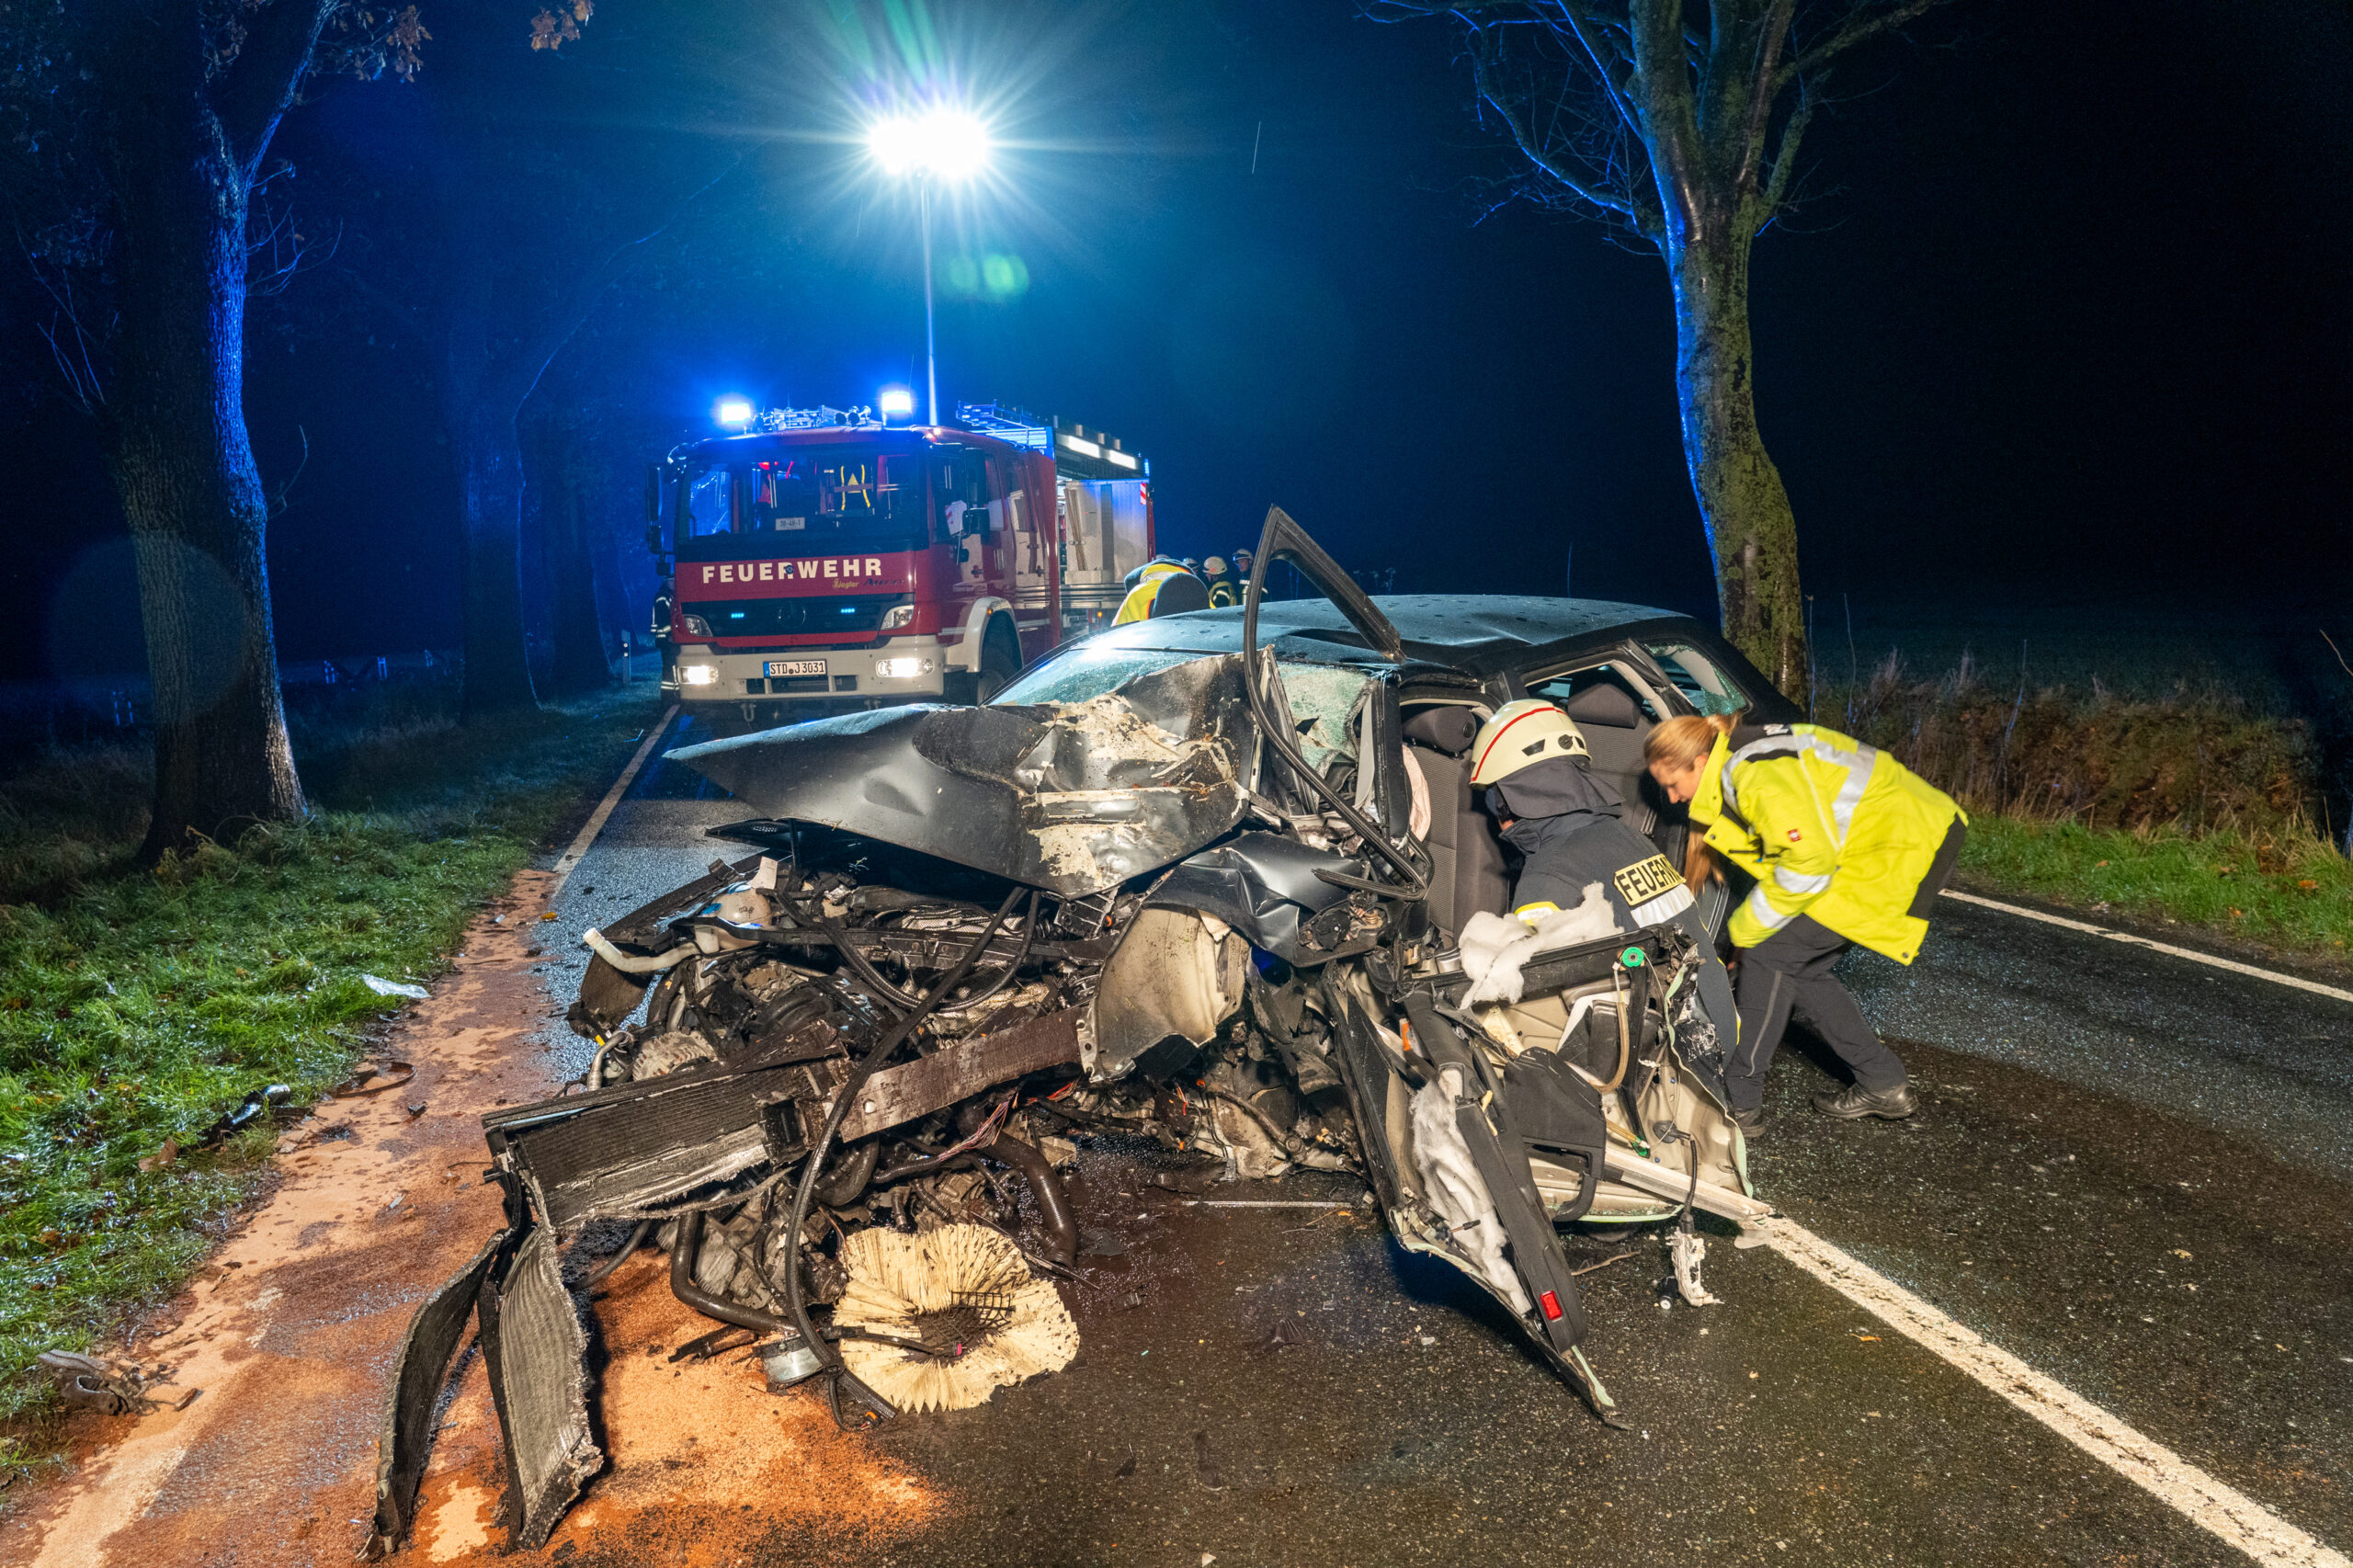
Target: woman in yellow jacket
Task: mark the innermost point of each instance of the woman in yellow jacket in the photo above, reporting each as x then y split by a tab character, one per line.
1848	846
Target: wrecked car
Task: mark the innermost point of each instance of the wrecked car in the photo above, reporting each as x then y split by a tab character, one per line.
1218	881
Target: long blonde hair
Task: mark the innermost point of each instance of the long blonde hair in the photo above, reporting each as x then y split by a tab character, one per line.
1685	738
1676	742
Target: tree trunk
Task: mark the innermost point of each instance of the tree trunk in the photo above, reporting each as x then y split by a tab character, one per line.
478	411
173	428
490	489
581	663
1752	533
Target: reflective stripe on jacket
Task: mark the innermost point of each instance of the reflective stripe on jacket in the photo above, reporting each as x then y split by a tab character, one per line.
1829	827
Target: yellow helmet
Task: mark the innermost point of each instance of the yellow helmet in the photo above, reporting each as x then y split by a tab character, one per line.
1522	733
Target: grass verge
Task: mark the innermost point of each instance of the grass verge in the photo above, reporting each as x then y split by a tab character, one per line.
139	1005
2294	894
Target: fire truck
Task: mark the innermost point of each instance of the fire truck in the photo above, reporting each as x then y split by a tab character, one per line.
821	562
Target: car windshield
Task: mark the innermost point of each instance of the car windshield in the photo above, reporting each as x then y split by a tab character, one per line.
830	500
1087	670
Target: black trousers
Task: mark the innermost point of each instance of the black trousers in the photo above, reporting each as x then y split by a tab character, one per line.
1788	975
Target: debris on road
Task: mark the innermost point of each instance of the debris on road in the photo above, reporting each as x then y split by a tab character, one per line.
112	1388
383	987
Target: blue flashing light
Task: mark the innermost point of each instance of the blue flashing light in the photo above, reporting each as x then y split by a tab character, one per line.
735	412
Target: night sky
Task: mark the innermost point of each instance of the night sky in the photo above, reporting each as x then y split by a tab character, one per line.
2065	323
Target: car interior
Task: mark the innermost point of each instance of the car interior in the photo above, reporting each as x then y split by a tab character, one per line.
1470	870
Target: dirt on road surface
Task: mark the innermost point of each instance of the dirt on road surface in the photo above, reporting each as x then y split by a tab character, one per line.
292	1331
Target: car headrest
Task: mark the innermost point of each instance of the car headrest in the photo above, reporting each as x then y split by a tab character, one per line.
1448	729
1178	593
1605	703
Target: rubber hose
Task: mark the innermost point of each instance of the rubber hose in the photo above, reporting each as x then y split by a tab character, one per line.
1053	1207
630	964
597	1275
851	1179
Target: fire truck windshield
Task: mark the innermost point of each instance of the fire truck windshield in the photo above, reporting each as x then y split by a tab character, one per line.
824	501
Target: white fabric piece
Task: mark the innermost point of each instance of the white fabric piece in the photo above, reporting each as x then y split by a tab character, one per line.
1452	1182
1495	948
1418	820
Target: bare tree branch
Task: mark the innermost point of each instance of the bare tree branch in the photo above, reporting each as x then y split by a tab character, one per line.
259	81
1534	153
1858	26
1785	155
1761	92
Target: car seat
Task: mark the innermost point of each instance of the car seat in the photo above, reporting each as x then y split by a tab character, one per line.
1467	873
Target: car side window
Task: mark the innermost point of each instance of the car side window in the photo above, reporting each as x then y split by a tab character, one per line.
1705	686
1608	685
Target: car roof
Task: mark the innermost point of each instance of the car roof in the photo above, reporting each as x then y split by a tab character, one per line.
1476	633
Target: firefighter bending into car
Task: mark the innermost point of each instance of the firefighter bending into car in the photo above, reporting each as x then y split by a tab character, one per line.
1848	846
1160	587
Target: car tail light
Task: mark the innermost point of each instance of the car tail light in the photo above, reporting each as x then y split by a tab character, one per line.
1552	1305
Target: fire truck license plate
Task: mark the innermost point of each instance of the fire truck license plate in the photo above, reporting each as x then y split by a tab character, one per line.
796	667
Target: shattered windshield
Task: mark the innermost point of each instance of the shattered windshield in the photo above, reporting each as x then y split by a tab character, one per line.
1087	671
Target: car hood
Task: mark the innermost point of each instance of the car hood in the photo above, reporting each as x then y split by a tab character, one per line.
1071	797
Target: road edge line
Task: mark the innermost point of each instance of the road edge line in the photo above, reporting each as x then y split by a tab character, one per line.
2167	948
595	822
2220	1508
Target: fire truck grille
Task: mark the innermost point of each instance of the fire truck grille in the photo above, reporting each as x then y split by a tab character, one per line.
794	617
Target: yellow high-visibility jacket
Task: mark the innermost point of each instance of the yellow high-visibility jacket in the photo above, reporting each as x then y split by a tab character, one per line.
1829	827
1137	606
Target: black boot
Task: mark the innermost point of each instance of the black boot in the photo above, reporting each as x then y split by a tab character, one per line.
1854	1102
1750	1121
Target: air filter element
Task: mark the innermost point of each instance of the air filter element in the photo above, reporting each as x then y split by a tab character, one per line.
965	1291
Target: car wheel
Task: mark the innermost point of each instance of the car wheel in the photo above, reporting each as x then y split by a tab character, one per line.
1000	662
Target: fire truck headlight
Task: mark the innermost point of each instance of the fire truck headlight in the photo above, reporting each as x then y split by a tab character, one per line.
699	675
696	626
898	616
902	669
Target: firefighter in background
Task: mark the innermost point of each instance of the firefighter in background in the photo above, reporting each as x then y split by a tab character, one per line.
1160	587
1223	590
1848	846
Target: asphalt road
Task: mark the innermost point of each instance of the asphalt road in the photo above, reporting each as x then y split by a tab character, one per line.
2130	1170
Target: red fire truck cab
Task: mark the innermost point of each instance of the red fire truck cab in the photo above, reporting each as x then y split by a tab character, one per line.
821	562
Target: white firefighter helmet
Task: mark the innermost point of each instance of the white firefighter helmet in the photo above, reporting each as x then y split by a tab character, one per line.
1522	733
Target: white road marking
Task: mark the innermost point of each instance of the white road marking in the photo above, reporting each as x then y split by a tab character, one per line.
2228	1513
2209	959
595	822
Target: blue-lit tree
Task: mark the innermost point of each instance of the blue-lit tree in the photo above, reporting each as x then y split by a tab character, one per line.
136	135
1682	125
